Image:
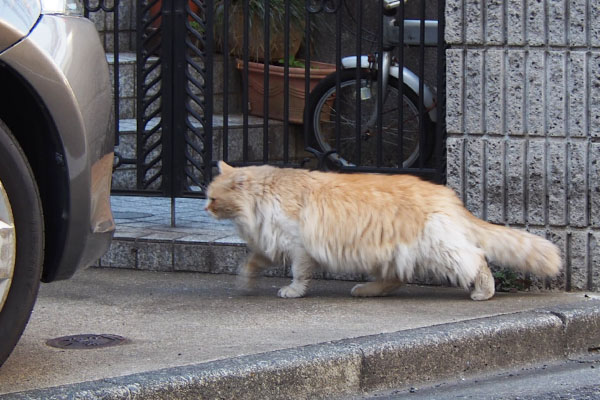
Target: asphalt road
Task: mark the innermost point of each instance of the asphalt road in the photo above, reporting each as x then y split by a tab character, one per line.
577	378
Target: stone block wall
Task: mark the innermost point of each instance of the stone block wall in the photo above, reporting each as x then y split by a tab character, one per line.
523	120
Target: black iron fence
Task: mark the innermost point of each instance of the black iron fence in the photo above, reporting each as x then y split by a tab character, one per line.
227	79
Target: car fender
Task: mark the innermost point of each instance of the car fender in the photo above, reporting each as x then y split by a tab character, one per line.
17	20
83	108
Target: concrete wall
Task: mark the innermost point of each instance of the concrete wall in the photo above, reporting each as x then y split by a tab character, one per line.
523	118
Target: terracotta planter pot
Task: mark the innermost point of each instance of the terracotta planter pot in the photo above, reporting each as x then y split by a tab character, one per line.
256	88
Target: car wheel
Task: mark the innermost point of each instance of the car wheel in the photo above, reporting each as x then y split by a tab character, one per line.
21	241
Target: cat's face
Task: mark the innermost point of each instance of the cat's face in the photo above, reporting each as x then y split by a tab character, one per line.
224	197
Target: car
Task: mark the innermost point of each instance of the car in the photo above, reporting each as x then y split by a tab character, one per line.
56	152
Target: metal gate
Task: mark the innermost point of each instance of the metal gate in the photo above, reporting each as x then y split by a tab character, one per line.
195	84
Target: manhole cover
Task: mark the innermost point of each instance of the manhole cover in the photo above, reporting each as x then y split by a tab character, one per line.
87	341
130	214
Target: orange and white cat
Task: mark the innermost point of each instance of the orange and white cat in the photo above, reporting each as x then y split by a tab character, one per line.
392	227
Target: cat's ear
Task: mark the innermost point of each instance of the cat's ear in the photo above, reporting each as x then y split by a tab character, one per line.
224	167
240	180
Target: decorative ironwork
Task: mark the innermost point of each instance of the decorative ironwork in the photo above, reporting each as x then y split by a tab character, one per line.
182	96
150	92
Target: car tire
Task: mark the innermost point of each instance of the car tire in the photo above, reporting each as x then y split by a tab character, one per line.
20	188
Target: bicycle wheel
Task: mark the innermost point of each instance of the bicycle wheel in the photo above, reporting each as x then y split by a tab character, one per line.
396	150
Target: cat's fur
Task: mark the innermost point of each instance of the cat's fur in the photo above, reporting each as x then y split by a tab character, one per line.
390	227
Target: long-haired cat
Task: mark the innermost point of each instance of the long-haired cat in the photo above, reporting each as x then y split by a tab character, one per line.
390	227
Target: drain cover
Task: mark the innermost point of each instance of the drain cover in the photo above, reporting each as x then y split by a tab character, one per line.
86	341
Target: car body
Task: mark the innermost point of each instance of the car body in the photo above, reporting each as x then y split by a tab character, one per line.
56	124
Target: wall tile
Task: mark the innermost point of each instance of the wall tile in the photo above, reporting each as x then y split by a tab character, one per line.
536	23
494	92
515	25
536	178
474	92
535	93
594	184
577	22
455	147
557	11
557	196
578	262
474	21
577	192
515	181
494	190
556	95
474	172
515	92
494	16
577	92
594	106
455	81
454	22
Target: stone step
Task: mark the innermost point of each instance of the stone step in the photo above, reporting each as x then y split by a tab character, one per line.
147	239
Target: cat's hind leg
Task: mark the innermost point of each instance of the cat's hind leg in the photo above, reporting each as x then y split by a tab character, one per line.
376	288
484	285
302	268
251	269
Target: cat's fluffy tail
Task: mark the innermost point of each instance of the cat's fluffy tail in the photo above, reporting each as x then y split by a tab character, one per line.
517	249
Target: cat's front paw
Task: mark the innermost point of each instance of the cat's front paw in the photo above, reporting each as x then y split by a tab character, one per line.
291	291
360	290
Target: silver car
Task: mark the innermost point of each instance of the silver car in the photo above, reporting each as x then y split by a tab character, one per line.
56	152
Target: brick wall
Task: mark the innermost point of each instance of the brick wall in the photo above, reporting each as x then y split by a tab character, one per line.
523	119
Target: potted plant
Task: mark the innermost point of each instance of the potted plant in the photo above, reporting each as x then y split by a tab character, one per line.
256	54
297	87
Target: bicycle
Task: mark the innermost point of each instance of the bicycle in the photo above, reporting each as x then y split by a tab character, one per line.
350	146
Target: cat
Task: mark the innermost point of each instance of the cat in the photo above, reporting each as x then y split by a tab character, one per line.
391	227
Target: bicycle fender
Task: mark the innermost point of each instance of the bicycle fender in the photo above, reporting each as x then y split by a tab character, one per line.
408	77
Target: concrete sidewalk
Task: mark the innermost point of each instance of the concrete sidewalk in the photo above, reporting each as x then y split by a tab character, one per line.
195	335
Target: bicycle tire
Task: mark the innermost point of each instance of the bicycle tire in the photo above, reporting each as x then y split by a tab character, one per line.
322	123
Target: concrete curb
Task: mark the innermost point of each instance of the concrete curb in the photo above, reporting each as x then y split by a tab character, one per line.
170	253
358	365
